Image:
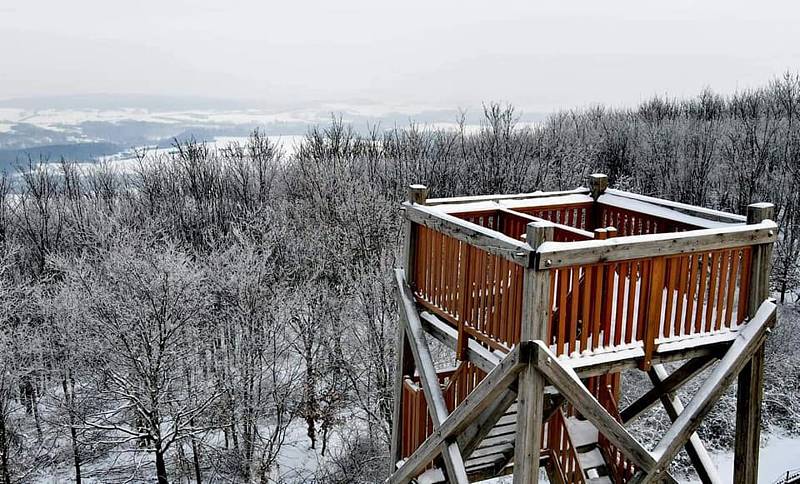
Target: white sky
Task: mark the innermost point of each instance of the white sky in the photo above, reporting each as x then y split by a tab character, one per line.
540	55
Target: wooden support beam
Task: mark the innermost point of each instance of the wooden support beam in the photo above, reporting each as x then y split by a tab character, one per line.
700	212
404	366
750	339
570	385
485	239
598	183
530	398
437	407
750	389
706	470
565	254
686	372
477	354
492	387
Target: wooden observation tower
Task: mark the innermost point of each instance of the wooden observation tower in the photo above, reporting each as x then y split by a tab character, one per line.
544	298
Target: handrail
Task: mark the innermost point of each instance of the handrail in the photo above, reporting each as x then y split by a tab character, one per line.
489	240
552	255
792	475
700	212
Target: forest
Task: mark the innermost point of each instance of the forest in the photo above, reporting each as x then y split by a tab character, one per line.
211	314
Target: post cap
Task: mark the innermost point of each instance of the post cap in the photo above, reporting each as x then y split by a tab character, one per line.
417	194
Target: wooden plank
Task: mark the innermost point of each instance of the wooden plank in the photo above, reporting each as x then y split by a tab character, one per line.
488	390
622	275
724	278
749	340
701	292
530	398
654	302
515	196
586	306
564	254
712	289
750	389
694	269
734	277
579	233
700	212
698	455
437	407
486	239
573	310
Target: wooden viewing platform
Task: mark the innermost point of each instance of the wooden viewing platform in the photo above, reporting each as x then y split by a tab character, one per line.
544	298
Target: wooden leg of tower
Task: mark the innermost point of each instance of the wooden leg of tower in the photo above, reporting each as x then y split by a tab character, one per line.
748	420
530	408
404	366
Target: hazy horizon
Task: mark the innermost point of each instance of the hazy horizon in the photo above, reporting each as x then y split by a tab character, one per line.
539	58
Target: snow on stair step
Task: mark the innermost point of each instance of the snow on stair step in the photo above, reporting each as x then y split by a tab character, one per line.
582	432
591	460
599	480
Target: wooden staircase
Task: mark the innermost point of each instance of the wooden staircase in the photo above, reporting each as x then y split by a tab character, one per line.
494	455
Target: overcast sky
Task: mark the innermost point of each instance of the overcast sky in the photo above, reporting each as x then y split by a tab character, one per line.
539	55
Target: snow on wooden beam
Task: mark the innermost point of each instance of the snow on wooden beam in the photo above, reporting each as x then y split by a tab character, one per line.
505	197
564	254
692	210
485	239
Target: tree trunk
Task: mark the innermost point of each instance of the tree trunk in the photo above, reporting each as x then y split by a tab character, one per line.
161	466
69	399
4	449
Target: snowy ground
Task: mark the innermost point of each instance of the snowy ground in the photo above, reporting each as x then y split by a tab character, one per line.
781	453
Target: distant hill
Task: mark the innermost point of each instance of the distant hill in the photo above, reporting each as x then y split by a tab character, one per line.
11	158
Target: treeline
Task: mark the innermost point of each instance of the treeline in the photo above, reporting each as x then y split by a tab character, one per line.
193	315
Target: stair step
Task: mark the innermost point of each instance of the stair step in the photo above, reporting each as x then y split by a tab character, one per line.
582	432
591	460
495	449
483	461
599	480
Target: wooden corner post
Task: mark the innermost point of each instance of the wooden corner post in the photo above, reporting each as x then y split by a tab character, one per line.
598	183
530	395
750	388
404	357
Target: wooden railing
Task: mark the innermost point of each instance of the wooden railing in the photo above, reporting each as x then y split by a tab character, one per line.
478	292
416	422
559	445
628	222
569	222
616	303
620	467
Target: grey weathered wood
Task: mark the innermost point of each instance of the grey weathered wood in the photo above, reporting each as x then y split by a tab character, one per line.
580	233
437	407
686	372
416	195
530	398
569	384
563	254
477	354
486	239
515	196
403	366
471	438
492	387
750	388
598	183
750	339
700	212
706	470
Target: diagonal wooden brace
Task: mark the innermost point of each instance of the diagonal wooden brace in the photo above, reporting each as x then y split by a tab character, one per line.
437	407
569	384
751	338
